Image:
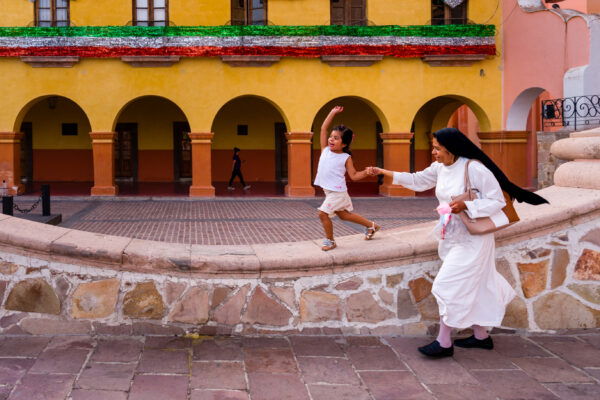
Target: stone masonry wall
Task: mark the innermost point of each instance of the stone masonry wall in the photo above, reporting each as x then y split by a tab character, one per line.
556	276
548	163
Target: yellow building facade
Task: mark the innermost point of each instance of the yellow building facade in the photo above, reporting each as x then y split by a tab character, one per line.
104	101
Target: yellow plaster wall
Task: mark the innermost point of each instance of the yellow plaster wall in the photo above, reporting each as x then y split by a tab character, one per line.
259	115
405	12
47	125
155	117
298	12
200	12
16	12
98	13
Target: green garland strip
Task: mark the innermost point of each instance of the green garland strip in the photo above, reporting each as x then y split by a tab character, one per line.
242	30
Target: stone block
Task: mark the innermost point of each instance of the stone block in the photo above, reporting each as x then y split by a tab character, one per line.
157	257
173	291
143	301
362	307
428	308
33	295
592	236
560	261
414	329
95	248
503	267
264	310
386	296
220	293
560	311
533	277
590	293
285	294
536	253
62	286
375	280
516	315
3	285
588	266
231	311
148	328
406	308
393	280
8	268
192	308
350	284
420	288
12	319
95	299
316	306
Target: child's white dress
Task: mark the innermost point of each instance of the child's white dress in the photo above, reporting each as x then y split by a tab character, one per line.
468	289
331	176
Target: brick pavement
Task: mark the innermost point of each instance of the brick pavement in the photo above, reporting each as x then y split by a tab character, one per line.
228	221
295	368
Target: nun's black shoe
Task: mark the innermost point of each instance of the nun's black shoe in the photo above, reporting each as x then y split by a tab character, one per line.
434	349
472	342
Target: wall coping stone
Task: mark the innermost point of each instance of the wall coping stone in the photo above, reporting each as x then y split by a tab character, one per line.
394	247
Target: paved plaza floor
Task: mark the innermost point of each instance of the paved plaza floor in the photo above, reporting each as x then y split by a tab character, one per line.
295	368
227	221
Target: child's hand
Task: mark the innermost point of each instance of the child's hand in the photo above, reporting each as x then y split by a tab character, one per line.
374	171
337	110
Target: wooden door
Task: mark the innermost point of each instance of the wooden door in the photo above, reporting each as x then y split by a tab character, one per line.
182	148
126	151
27	152
348	12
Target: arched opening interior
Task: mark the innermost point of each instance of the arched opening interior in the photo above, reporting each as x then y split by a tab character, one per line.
256	127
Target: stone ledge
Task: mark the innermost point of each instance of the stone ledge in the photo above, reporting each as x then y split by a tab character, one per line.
453	60
351	60
394	247
150	61
250	61
50	61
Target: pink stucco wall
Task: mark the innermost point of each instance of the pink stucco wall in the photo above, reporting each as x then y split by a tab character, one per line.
538	48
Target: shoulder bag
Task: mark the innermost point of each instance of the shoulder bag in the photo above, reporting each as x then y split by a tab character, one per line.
483	225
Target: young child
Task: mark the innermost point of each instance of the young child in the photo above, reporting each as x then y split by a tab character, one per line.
335	161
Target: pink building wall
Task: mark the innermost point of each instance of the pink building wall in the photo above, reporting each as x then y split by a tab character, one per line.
537	49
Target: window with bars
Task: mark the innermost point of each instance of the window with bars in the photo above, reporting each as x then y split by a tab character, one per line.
443	14
348	12
249	12
150	12
52	13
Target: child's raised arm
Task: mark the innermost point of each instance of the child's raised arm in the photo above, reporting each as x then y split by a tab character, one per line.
325	127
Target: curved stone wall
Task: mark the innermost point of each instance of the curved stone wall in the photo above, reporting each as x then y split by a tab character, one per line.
56	280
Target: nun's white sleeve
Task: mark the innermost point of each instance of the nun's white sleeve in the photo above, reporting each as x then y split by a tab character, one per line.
418	181
490	199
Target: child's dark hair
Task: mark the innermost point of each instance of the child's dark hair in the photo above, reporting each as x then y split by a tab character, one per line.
347	136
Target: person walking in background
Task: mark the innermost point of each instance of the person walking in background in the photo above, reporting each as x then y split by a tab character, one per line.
334	162
468	289
236	170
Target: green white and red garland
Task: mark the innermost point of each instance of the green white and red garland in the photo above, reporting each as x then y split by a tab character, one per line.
211	41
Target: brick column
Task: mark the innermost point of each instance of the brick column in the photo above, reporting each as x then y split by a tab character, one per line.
103	149
299	164
201	165
396	157
10	161
508	149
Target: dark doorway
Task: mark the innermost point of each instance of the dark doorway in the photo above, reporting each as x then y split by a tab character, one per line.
182	148
126	163
281	158
27	153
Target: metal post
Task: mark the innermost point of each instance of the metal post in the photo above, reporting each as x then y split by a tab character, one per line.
45	200
7	205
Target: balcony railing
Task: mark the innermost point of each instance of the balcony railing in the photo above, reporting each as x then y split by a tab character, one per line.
572	113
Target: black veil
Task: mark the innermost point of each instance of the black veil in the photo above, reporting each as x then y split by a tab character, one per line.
461	146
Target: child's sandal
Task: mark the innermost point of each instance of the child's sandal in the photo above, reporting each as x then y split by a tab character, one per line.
328	245
369	232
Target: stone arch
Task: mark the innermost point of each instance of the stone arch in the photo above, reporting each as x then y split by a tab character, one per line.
520	108
56	147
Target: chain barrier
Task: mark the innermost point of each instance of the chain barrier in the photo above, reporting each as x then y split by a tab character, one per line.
27	210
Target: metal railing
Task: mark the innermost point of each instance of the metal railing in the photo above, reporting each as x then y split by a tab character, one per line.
571	112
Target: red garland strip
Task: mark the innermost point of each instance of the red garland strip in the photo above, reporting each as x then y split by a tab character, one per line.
206	51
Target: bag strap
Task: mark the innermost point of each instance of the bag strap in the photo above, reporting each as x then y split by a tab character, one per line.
467	180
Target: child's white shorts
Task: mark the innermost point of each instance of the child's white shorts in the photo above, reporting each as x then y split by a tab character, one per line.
336	201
